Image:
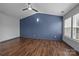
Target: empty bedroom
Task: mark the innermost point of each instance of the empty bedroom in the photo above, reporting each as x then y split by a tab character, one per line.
39	29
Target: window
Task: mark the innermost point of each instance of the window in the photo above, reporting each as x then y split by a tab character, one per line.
67	27
71	27
76	26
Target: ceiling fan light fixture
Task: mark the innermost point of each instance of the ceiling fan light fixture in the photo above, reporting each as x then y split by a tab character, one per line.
29	8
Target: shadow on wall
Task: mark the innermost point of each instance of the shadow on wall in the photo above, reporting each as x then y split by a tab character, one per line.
42	26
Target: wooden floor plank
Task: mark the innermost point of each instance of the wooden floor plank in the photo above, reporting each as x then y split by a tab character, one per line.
33	47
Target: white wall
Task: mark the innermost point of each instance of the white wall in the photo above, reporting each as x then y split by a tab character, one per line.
9	27
72	42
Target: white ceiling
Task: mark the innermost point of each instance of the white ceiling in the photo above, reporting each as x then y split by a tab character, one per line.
15	9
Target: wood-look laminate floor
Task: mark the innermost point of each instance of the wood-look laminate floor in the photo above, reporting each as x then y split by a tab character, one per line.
31	47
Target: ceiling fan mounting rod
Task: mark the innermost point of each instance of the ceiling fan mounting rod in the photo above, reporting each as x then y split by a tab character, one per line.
29	5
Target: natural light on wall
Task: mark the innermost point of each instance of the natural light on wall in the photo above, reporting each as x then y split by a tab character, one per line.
37	19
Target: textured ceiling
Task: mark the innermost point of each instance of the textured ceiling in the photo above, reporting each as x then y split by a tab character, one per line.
15	9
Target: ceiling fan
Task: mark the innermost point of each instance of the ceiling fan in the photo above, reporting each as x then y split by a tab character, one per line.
30	8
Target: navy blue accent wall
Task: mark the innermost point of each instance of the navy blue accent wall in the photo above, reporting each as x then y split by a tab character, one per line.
42	26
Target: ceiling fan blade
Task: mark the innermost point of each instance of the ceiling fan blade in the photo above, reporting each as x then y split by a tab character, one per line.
34	10
25	9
